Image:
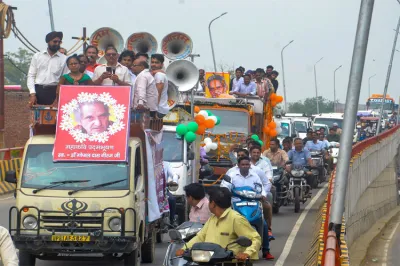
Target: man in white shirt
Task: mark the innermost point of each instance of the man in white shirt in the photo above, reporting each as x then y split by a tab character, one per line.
112	73
157	63
171	178
266	167
45	71
126	59
145	91
8	254
237	79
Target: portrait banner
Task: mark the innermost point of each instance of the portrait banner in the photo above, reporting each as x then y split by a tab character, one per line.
92	123
157	199
217	85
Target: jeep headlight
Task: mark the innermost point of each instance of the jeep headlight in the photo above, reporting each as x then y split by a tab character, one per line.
115	224
30	222
202	255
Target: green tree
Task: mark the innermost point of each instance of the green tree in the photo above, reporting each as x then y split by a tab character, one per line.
16	66
309	106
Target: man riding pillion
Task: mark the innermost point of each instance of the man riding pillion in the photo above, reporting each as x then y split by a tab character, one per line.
300	156
266	167
245	176
225	226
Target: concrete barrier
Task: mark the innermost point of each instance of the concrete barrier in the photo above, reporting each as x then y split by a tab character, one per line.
7	165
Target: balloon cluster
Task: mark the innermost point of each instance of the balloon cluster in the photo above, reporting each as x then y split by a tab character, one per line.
209	145
203	120
275	99
256	138
273	129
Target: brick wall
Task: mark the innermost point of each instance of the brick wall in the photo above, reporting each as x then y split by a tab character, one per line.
17	118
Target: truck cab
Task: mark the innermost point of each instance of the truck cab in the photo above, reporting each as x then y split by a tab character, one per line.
66	209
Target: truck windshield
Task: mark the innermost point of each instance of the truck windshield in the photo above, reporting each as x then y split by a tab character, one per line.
40	170
374	104
173	147
300	126
285	130
329	121
231	121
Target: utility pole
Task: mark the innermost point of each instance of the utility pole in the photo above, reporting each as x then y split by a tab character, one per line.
84	39
192	56
316	87
353	96
388	78
51	15
334	88
283	75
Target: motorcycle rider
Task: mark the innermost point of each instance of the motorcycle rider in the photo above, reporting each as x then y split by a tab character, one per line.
287	144
172	180
267	208
332	136
266	167
196	198
277	156
301	156
323	140
225	226
315	144
245	176
308	137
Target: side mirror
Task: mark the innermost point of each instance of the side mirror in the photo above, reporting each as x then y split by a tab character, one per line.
11	177
288	162
175	235
227	178
244	241
190	155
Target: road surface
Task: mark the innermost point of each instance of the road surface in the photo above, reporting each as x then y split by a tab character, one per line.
288	251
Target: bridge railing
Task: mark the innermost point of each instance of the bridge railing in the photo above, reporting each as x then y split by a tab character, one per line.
371	193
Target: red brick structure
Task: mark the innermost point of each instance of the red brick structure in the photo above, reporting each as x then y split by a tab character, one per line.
17	118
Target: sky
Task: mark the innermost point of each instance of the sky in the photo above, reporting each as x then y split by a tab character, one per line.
251	35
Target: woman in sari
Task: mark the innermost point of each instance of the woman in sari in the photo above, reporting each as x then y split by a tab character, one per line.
74	77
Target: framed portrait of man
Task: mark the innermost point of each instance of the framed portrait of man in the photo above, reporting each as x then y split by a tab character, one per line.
217	85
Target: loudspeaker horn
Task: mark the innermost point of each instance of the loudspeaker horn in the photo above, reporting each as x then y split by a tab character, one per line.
142	42
104	37
177	45
173	94
184	74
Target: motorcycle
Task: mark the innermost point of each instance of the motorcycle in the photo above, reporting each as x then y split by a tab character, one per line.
320	171
298	187
210	254
334	151
280	194
249	204
187	230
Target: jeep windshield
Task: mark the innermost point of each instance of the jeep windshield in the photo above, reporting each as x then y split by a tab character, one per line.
173	147
329	121
231	121
40	171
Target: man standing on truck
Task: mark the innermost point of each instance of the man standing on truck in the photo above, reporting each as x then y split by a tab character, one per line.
245	88
157	63
45	71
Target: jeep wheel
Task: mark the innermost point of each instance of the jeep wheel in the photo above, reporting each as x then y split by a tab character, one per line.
132	259
148	249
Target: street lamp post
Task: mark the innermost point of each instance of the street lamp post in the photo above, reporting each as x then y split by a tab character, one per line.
212	45
369	84
283	75
316	87
51	15
334	88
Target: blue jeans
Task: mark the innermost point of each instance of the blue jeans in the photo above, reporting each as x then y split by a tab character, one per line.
265	240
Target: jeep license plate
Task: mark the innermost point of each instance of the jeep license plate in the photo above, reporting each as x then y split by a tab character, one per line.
70	238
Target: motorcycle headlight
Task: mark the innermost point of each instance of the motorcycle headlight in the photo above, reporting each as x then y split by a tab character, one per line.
30	222
247	194
202	255
297	173
115	224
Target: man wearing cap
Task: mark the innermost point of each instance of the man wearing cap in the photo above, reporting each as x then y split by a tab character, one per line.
45	70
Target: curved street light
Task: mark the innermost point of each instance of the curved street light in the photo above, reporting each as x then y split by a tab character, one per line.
212	45
369	84
334	88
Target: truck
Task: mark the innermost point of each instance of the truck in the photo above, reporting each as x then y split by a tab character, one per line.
375	101
239	118
182	157
75	210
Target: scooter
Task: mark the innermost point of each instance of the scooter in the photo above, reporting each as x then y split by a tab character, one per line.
248	203
187	230
334	151
209	254
320	171
280	194
298	187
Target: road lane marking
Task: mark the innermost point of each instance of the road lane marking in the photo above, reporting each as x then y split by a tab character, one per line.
289	242
387	244
6	198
